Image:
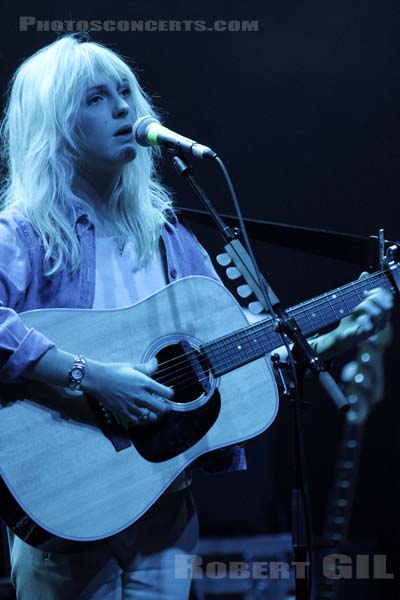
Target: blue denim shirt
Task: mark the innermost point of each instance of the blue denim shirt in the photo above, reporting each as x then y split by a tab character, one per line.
23	286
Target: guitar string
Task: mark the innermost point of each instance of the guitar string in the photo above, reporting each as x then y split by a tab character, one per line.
182	359
187	371
189	378
301	307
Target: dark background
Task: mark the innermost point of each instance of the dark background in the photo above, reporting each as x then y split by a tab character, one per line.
305	114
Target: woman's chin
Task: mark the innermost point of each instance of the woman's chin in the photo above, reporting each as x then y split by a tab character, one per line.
128	154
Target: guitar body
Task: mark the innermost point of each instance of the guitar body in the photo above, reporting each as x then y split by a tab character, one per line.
71	474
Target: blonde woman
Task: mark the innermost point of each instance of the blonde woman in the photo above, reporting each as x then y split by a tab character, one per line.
86	224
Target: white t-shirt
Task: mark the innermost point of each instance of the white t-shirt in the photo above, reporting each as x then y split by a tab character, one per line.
118	282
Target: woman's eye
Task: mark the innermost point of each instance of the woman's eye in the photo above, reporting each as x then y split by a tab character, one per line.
126	91
94	99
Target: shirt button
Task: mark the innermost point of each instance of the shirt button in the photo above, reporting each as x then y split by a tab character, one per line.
173	273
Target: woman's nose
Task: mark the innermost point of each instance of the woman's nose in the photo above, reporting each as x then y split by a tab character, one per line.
121	108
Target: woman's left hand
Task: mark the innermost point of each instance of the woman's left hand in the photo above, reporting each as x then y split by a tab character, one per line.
366	319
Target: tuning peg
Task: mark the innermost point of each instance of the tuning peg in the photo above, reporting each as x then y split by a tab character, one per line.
233	273
244	291
256	307
224	259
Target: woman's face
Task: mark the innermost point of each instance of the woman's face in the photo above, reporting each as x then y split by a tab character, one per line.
105	122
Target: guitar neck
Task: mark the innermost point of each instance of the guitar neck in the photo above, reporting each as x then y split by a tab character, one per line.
342	494
340	505
254	341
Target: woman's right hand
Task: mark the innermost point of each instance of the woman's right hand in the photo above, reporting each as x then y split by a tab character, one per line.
128	391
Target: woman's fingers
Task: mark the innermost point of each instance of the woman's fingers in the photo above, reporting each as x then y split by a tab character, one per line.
149	408
375	308
153	386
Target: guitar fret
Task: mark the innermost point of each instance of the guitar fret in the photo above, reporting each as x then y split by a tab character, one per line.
214	358
336	304
333	302
228	350
342	312
320	314
241	347
253	343
359	296
306	315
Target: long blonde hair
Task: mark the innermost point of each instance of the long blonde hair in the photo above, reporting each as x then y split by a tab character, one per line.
40	148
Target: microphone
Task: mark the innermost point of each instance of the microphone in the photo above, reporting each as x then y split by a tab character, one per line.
147	131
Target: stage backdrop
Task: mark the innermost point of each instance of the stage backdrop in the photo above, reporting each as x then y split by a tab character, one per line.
301	100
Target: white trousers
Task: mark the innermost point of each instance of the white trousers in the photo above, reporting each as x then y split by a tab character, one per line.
138	563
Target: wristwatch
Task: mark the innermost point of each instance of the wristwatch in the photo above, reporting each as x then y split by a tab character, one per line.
77	373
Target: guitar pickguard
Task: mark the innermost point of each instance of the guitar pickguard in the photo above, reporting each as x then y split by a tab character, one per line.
177	432
196	402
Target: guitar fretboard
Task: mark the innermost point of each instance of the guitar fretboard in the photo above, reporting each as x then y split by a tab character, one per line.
245	345
342	494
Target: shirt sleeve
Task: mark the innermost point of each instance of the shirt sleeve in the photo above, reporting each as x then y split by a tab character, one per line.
19	345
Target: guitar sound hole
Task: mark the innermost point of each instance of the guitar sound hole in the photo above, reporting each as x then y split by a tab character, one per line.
184	368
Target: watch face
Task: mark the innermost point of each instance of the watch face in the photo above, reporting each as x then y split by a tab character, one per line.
76	373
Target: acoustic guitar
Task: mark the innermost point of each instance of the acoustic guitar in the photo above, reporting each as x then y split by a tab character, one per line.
71	470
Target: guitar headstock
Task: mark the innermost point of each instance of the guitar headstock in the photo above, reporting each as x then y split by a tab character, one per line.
364	376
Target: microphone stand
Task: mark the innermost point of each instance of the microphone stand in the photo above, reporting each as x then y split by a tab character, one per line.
287	327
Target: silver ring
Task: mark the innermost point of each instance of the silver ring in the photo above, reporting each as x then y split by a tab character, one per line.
144	416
